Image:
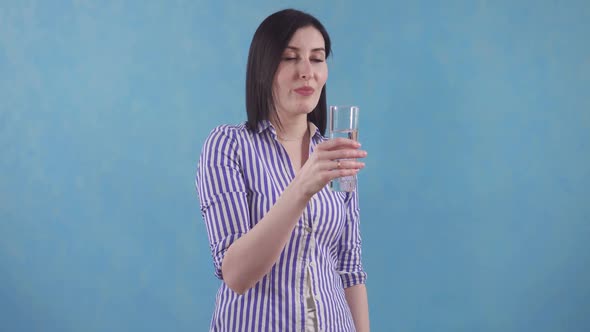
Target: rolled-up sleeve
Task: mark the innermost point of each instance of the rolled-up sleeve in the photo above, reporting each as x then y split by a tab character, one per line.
222	193
350	266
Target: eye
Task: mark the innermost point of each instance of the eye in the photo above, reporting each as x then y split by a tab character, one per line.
317	60
289	56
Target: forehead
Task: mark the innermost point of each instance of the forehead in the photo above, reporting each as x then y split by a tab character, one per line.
307	38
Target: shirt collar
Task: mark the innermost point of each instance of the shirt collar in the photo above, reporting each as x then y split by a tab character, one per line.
315	131
262	126
266	124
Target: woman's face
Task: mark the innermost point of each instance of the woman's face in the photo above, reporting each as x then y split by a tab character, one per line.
302	73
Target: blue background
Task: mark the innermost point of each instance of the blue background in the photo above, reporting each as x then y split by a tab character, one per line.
475	199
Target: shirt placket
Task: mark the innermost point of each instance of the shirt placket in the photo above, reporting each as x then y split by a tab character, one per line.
312	296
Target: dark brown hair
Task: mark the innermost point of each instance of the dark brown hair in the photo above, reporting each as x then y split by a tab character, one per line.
269	41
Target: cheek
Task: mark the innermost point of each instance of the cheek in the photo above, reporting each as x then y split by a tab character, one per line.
323	76
277	87
281	82
279	77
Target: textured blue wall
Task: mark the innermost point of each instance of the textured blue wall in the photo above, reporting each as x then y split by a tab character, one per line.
475	200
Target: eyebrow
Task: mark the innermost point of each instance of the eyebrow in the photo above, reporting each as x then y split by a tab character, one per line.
318	49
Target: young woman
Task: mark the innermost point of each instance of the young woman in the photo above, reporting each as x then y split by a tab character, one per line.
287	248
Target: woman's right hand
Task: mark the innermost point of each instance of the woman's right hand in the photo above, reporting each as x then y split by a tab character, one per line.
327	162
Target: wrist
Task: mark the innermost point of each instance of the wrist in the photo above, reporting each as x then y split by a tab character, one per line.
296	191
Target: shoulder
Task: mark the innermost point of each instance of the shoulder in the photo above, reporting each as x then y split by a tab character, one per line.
225	136
227	132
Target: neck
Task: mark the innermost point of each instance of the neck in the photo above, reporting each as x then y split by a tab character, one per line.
292	129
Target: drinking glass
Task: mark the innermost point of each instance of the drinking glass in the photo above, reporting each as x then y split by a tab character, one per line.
343	122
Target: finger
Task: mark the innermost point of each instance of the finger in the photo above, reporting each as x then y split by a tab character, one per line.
338	143
348	164
338	173
342	154
330	165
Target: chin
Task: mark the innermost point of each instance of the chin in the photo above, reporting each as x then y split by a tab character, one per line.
305	110
301	107
307	107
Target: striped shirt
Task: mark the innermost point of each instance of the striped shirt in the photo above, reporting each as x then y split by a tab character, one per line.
240	176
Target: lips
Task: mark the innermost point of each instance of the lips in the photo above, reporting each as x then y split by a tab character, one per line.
305	91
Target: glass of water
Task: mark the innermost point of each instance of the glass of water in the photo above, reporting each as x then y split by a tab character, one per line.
343	122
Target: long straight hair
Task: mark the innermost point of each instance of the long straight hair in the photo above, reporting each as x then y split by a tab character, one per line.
269	41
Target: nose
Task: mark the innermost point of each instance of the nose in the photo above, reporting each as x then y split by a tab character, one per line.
305	71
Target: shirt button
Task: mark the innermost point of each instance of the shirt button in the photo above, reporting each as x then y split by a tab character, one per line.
311	264
308	229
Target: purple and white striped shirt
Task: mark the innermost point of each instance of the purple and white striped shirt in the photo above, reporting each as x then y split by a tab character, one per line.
240	176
